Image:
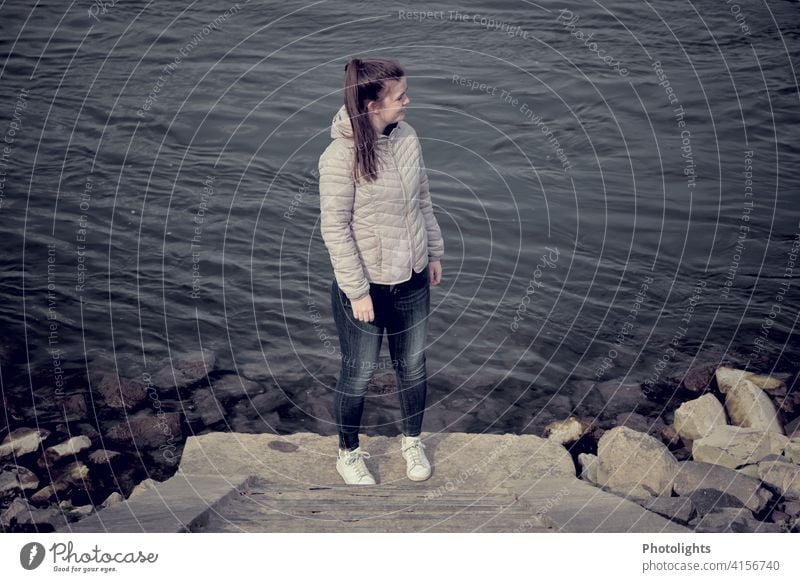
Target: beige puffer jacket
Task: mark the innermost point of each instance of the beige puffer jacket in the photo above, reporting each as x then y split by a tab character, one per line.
376	232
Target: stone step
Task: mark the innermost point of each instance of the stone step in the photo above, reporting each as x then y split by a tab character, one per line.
267	507
265	483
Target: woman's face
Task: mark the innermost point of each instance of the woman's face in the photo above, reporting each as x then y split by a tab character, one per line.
392	107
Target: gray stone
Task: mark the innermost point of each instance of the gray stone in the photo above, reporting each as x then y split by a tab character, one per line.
236	387
678	509
22	441
121	393
564	432
728	378
256	371
588	464
750	407
634	464
708	500
205	406
638	422
792	450
734	446
75	406
693	476
185	370
69	448
696	418
14	478
731	520
698	378
113	499
792	508
145	485
103	457
147	430
48	492
793	428
15	509
620	397
785	477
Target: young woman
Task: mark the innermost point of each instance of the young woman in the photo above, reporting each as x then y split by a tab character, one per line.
385	247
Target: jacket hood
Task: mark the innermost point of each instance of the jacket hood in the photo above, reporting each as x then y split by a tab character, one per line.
340	126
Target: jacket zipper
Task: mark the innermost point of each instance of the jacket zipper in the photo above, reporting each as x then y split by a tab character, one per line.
405	210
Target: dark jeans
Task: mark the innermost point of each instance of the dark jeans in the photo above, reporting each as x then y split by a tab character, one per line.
402	311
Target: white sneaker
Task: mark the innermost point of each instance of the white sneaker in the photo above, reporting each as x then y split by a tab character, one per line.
418	468
352	468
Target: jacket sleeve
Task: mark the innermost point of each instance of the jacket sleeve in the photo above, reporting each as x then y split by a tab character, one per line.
435	240
336	196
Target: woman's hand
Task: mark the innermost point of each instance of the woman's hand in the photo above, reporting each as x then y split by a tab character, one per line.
362	309
435	272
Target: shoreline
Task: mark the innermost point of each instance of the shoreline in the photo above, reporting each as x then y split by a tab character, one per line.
64	471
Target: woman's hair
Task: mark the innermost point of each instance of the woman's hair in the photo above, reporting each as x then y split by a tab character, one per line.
363	81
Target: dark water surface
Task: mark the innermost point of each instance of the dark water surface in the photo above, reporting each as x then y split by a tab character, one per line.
160	188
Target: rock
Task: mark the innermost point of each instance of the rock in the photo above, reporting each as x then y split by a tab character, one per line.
235	387
14	478
122	393
266	402
634	464
670	436
734	446
45	494
792	508
747	471
185	370
103	457
75	473
620	397
585	398
696	418
588	464
693	476
22	441
145	485
82	511
47	519
731	520
255	371
68	448
147	430
74	406
15	509
641	423
708	500
113	499
698	379
785	477
679	509
781	519
792	450
750	407
205	406
728	378
564	431
793	428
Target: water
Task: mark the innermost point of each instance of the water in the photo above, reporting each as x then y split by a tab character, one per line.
109	157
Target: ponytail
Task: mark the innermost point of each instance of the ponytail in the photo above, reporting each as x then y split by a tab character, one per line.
364	81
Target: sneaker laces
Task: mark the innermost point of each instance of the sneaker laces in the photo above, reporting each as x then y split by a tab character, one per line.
356	458
413	448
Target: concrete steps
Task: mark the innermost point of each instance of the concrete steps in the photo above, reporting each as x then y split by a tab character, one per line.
236	482
267	507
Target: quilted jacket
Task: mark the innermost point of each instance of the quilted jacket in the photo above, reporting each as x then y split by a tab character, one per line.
376	232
